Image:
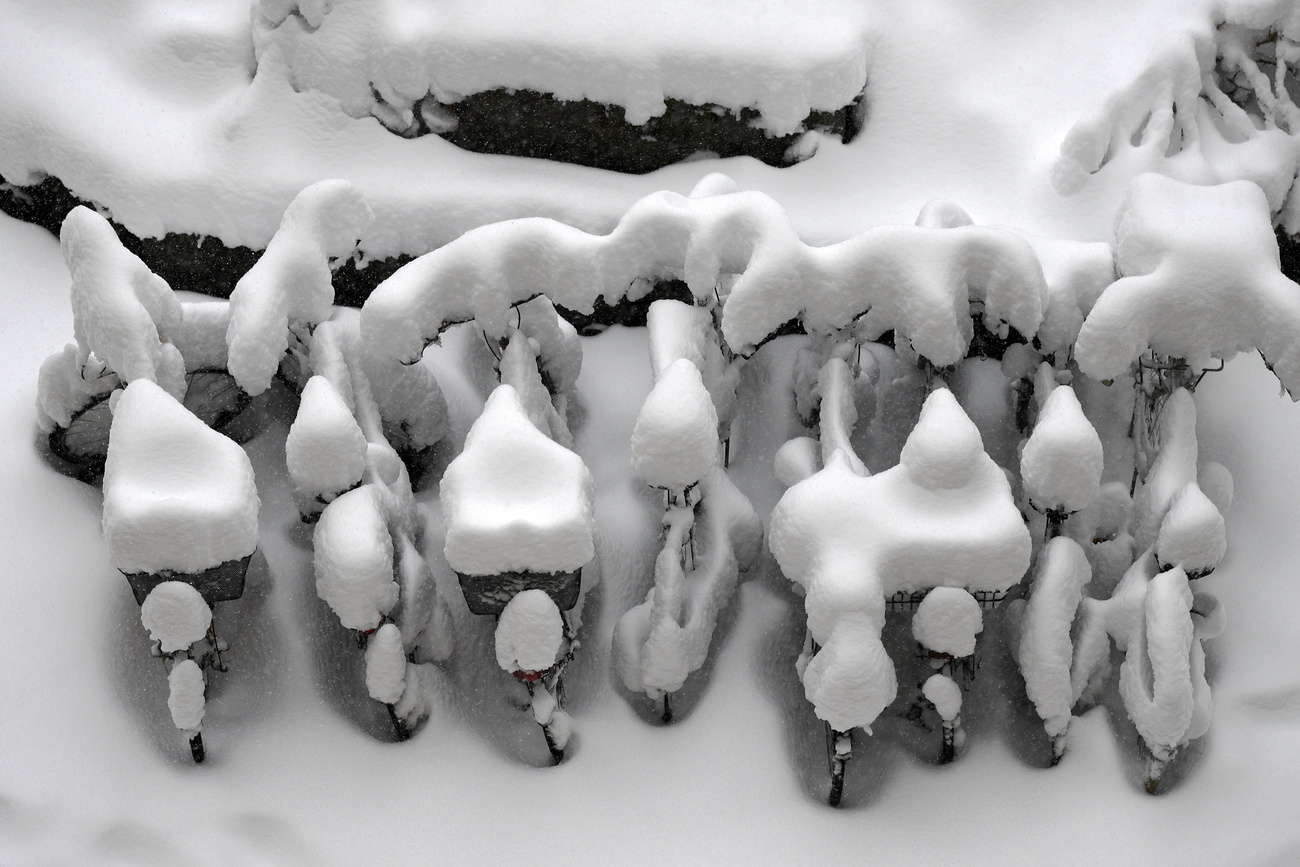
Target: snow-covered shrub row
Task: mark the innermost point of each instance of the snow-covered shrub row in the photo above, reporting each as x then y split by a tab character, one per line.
1213	104
384	60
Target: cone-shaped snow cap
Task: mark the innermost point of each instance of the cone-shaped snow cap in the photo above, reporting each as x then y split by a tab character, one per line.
1062	461
944	449
675	441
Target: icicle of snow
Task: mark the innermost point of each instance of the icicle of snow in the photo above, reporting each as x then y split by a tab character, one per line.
514	499
559	349
675	440
1192	534
518	368
1062	462
944	693
121	311
386	665
529	633
185	698
947	621
1201	279
175	615
325	449
292	281
1045	649
177	495
354	559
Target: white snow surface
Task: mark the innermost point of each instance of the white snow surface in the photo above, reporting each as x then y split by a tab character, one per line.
177	495
947	621
325	450
354	558
186	700
675	441
1061	464
515	500
175	615
529	633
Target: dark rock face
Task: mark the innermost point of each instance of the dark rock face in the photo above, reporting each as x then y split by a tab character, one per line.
1289	249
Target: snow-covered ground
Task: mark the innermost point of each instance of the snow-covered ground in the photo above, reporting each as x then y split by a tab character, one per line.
148	107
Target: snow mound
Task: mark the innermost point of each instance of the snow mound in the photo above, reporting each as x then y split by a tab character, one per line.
675	440
178	495
1200	280
325	449
947	621
515	500
386	665
175	615
185	700
292	281
791	59
529	632
851	679
944	693
1062	462
121	311
354	559
1192	534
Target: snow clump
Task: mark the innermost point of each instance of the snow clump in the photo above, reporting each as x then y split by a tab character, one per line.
1201	280
354	559
175	615
1061	463
185	700
386	665
1045	652
178	495
947	621
529	632
325	449
675	440
1192	535
292	282
121	311
944	693
515	500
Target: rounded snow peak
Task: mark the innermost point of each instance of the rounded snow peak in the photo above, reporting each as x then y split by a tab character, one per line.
675	441
947	621
944	448
325	450
175	615
943	692
1192	533
1062	461
529	632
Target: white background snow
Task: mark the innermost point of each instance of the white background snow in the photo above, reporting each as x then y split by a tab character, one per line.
970	102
